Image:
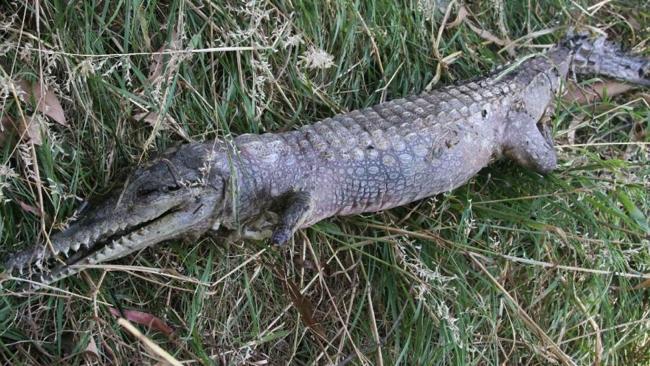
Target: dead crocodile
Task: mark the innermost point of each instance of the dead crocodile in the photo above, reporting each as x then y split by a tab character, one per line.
362	161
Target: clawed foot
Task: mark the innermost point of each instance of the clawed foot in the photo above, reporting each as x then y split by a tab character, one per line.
281	236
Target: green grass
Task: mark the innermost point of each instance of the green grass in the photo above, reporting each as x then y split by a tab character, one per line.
461	278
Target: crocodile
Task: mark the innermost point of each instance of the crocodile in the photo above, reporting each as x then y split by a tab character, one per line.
270	185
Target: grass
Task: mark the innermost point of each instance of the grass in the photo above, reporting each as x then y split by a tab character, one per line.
511	268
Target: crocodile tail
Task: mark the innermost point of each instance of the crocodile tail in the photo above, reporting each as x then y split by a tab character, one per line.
598	56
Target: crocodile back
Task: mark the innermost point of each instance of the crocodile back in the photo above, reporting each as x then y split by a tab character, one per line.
399	151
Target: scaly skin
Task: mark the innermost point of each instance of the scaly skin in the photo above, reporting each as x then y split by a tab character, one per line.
363	161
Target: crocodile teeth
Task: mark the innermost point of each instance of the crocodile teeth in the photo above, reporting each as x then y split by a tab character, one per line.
86	242
109	250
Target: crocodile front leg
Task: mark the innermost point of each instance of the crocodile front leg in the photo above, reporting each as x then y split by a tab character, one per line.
298	207
529	143
292	210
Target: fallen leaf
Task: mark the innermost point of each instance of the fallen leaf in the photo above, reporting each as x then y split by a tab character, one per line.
304	307
28	131
485	34
47	101
28	208
643	285
157	58
91	348
166	122
149	117
638	133
462	14
155	70
142	318
590	93
34	127
306	264
557	230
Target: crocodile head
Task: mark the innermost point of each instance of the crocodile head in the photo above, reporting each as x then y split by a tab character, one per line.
174	196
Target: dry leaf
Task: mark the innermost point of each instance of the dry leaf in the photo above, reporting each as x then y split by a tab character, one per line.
29	131
156	64
643	285
47	101
462	14
33	133
638	133
486	35
149	117
593	92
304	307
157	58
557	230
28	208
166	122
142	318
306	264
91	348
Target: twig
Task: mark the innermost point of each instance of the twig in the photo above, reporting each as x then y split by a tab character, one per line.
573	268
166	52
599	341
148	342
604	144
373	327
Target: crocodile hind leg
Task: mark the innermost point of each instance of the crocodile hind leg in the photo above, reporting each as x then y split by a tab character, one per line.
529	142
298	206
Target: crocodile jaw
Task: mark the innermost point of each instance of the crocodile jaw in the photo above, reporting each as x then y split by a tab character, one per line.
111	231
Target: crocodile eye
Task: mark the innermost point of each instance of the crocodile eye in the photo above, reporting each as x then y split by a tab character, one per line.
145	191
170	188
148	190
